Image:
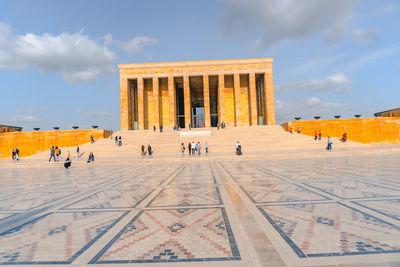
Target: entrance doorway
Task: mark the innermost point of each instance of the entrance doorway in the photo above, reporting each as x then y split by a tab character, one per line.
198	119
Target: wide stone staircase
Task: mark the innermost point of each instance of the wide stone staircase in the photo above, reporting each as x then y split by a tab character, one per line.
259	140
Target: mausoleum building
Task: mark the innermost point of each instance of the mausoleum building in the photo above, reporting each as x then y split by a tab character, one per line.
238	92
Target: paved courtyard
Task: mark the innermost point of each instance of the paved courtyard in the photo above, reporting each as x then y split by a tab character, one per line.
286	212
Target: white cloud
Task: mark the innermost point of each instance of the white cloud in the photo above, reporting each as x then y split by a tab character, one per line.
21	119
108	39
76	56
278	20
136	44
30	110
307	109
337	83
363	36
92	114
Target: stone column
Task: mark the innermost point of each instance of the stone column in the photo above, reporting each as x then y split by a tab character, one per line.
269	98
253	99
124	103
156	101
140	103
236	90
221	98
186	96
171	100
206	96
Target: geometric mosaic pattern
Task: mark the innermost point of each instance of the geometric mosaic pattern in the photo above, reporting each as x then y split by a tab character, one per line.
332	229
280	193
354	189
111	199
54	238
388	207
187	196
173	235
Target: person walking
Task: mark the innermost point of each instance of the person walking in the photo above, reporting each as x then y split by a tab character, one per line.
319	135
91	139
161	128
154	128
116	140
13	154
119	141
198	148
206	147
143	151
315	135
77	153
52	154
218	126
329	147
291	130
298	130
57	152
149	150
238	148
17	154
193	148
183	149
190	148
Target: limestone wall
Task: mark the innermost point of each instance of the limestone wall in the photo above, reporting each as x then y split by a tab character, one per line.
367	130
30	143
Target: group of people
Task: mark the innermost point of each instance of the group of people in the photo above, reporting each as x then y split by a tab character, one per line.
193	148
223	125
55	153
15	154
118	140
148	152
317	135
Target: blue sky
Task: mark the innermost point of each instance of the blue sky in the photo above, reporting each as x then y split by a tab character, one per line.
58	59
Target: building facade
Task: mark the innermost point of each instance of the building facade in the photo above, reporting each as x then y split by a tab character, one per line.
238	92
8	129
389	113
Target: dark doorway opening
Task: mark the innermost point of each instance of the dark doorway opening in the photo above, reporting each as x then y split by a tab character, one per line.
180	103
213	87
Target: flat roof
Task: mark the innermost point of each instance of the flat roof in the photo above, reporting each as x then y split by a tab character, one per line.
390	110
196	63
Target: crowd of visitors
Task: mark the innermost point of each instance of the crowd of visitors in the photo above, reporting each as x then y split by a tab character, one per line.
15	154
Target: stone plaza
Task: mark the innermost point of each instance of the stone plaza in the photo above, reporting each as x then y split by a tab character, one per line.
336	210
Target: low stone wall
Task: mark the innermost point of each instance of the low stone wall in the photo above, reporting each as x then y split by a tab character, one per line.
30	143
363	130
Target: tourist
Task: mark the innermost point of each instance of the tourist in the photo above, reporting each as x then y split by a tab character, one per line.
198	148
206	147
154	128
218	126
291	130
298	130
69	155
161	128
319	135
190	126
238	148
189	148
91	139
91	157
77	152
329	147
17	154
116	140
52	154
13	154
193	148
143	151
67	163
344	138
57	152
119	141
315	135
183	149
149	150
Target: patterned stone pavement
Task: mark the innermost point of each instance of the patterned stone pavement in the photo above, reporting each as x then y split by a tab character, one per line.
288	212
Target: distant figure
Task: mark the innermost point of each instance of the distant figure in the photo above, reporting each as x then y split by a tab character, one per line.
183	149
154	128
315	135
77	152
218	126
13	154
52	154
91	157
69	155
206	147
319	135
193	148
149	150
198	148
344	138
143	151
190	148
329	147
298	130
57	151
119	141
91	139
67	163
238	148
116	140
190	126
291	130
17	154
161	128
